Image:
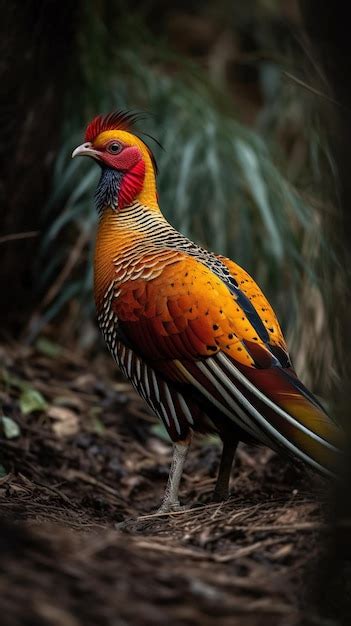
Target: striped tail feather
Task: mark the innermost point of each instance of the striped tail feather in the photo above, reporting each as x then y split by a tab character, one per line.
271	404
300	423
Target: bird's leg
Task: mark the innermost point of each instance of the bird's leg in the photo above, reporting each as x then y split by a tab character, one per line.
170	500
221	491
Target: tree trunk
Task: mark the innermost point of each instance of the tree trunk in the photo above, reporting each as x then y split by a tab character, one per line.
37	41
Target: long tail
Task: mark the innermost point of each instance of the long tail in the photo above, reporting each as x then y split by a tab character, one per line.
291	415
271	405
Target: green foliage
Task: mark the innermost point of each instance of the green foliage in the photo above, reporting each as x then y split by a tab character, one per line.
10	428
31	400
48	348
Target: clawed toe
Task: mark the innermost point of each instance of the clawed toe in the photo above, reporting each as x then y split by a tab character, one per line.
137	524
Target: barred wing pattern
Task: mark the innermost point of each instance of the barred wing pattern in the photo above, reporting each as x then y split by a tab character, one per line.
164	399
177	412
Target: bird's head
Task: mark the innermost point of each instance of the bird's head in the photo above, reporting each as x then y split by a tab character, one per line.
128	165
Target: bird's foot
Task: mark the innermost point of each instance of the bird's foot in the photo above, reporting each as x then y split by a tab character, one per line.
169	507
135	524
138	524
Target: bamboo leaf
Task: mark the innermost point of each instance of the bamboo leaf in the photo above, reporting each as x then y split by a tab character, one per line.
251	171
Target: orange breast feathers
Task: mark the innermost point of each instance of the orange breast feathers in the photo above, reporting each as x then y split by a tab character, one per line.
113	241
188	312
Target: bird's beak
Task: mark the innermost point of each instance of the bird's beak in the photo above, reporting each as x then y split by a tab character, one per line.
86	149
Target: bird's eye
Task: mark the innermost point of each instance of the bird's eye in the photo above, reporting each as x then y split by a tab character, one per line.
114	147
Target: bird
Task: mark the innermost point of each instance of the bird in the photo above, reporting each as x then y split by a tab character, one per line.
191	329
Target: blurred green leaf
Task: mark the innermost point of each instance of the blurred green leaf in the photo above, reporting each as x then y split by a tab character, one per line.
97	426
10	427
12	381
48	348
31	400
3	471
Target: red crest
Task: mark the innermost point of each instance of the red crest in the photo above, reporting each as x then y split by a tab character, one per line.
119	120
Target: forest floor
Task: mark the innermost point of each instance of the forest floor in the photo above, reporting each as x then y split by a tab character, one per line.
79	454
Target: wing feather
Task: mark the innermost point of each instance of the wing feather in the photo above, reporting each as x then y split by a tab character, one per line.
221	337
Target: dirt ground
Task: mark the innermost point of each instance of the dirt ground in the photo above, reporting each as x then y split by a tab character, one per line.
91	458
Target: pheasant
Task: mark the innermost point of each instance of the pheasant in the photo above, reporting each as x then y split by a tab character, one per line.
191	329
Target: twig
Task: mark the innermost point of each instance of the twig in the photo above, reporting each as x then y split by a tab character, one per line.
72	260
213	505
216	558
17	236
55	491
313	90
317	68
160	547
288	528
72	474
244	551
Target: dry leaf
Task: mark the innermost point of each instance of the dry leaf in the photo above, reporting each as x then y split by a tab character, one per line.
65	423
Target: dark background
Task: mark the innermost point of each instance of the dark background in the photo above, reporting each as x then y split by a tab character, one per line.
264	78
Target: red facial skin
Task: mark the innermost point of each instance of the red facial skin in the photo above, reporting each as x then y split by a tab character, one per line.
123	160
130	161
